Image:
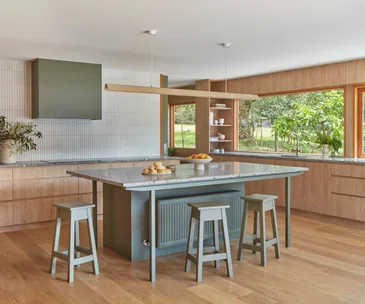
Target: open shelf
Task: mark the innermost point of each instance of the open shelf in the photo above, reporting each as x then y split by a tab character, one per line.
219	108
220	141
221	125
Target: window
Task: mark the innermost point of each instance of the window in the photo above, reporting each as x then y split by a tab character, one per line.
361	132
274	123
183	117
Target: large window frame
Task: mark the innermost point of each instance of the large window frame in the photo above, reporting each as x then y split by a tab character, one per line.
344	88
172	124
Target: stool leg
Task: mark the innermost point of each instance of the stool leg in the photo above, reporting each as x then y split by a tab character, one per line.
190	243
77	241
255	228
92	241
262	236
216	241
71	250
56	241
275	231
226	243
199	266
243	231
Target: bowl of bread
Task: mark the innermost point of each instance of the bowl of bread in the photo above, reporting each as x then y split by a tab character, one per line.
156	169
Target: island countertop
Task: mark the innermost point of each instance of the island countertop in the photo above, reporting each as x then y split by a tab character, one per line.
133	178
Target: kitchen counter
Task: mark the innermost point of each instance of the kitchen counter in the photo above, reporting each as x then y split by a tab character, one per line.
142	209
310	158
85	161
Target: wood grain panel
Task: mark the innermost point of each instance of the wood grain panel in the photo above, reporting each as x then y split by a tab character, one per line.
42	172
350	207
45	187
148	163
39	209
348	185
202	118
87	198
6	190
6	174
6	214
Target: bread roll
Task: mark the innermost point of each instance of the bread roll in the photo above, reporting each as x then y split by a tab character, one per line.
146	171
161	171
158	164
153	171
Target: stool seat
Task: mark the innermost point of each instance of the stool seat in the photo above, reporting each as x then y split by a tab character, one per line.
74	212
259	203
208	205
74	205
200	213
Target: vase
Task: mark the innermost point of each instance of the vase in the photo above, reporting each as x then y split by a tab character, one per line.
6	157
325	151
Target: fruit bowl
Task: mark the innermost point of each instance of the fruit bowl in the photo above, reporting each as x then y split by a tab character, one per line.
199	163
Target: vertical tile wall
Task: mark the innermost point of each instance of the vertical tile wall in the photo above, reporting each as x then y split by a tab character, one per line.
129	127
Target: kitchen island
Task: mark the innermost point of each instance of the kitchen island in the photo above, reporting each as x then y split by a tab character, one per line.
130	199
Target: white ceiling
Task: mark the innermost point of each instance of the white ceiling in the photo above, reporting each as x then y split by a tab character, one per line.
267	35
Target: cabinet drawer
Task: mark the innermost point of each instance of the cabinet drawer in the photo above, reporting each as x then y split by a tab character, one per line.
6	190
45	187
6	174
6	214
39	209
42	172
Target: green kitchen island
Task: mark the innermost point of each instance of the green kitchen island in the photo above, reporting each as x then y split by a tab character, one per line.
142	211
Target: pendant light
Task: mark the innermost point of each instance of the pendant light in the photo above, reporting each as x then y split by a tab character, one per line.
178	92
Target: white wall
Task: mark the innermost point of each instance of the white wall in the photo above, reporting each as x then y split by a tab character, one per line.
130	125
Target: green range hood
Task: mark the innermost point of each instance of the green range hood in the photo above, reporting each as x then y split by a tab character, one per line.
66	90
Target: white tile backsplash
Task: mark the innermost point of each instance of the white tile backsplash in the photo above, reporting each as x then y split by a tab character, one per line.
130	126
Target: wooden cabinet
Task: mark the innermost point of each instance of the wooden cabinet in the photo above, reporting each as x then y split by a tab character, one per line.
327	188
27	194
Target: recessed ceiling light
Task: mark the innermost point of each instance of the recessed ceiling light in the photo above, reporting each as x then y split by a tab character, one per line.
226	44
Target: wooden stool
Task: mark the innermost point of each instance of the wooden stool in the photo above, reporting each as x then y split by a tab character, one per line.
259	203
202	212
74	212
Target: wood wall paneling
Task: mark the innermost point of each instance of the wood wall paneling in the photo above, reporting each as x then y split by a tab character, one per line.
202	118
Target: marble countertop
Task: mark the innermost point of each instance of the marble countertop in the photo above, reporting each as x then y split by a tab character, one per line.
85	161
132	177
311	158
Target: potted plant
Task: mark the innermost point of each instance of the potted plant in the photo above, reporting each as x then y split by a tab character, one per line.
16	138
327	140
171	151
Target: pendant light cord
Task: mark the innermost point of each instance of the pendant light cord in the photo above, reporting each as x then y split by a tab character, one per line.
225	67
151	60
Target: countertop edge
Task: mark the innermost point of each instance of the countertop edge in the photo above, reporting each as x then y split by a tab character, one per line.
82	162
342	160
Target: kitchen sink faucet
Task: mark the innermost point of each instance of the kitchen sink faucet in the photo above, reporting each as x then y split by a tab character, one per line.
297	139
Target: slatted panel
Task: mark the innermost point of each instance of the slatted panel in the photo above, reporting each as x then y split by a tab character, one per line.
174	216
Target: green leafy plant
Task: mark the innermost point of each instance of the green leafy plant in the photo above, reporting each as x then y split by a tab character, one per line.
171	151
20	135
327	137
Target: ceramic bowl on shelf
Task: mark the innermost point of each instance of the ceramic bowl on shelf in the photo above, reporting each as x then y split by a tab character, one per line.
221	136
199	163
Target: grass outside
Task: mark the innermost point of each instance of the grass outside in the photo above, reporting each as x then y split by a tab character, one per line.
186	132
264	141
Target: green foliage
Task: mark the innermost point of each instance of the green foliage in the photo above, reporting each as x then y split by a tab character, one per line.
171	151
184	115
21	134
317	118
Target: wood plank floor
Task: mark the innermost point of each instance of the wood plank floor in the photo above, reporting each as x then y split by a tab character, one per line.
326	264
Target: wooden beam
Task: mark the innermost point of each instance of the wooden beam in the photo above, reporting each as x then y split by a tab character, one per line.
177	92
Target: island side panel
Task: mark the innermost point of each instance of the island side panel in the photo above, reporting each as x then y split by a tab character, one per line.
117	234
140	217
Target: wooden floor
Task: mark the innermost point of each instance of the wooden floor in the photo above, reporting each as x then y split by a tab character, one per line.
326	264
